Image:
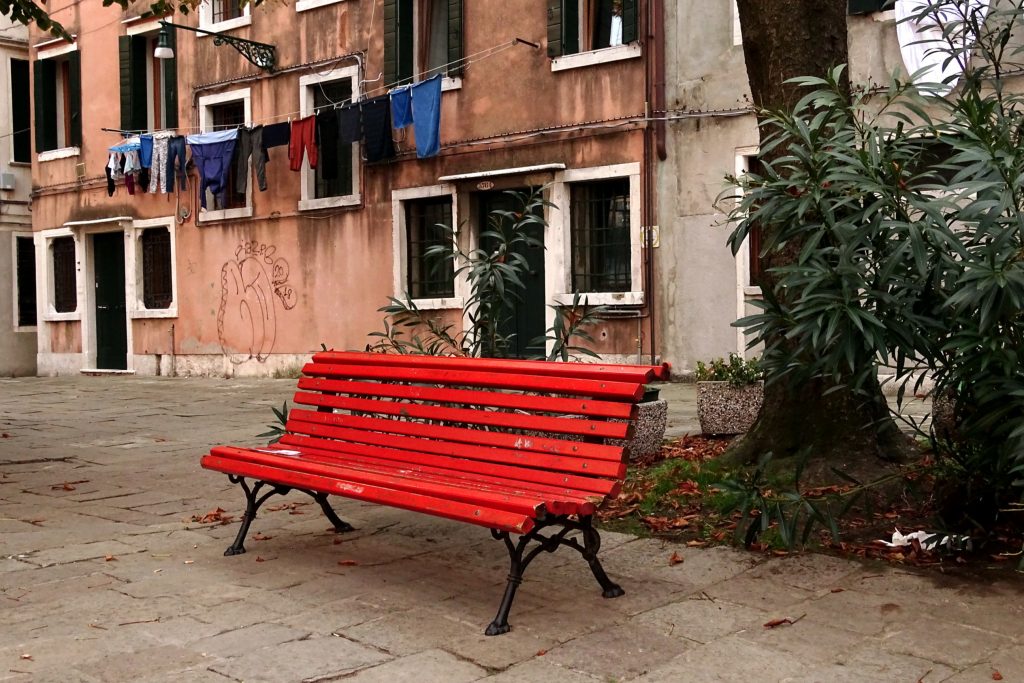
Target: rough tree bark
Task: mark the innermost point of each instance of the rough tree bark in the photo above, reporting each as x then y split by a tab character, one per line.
783	39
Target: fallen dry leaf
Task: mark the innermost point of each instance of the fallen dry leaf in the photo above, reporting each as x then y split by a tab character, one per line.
696	544
675	559
996	676
109	558
837	590
347	563
260	559
215	516
337	541
260	537
26	656
5	435
785	621
541	653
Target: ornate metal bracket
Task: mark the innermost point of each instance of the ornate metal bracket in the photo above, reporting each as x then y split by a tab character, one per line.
262	55
521	558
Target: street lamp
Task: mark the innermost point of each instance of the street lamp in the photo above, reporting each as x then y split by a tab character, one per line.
261	55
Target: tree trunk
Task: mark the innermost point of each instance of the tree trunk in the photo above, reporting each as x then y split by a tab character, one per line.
783	39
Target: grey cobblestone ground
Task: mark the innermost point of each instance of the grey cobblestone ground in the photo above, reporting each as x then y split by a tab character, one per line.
104	578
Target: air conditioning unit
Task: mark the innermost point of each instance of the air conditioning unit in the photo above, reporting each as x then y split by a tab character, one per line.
6	181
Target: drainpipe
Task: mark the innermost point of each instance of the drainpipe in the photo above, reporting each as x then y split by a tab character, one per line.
654	142
173	370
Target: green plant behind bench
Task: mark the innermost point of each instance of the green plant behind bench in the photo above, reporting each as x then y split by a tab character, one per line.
736	370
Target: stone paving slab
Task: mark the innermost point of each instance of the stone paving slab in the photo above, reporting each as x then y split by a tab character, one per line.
406	596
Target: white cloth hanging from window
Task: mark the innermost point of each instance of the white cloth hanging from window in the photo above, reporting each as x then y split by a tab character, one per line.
926	50
615	34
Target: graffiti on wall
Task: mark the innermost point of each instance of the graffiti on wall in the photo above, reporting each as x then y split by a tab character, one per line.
252	285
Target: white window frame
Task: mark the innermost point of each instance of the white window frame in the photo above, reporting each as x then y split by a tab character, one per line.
206	103
400	250
305	5
45	310
558	258
66	151
745	290
15	308
604	55
134	265
737	31
308	177
207	23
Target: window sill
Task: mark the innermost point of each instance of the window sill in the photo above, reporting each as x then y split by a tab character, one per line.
885	17
55	317
209	216
448	83
141	313
449	303
21	164
752	292
304	5
329	202
62	153
225	25
602	56
26	329
603	298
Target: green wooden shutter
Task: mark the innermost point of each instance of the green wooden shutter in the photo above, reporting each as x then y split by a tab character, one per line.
74	91
570	27
390	41
554	28
455	51
44	90
133	54
169	78
630	22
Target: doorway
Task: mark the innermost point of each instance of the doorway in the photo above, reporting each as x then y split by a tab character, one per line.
526	323
111	320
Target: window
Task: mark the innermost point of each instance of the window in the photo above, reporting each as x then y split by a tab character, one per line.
223	10
21	113
576	26
224	117
335	180
869	6
57	89
220	112
221	15
65	291
600	236
426	221
157	289
422	38
149	86
25	281
751	263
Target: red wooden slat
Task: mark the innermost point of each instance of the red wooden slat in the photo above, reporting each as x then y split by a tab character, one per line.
610	371
496	399
414	460
478	495
514	443
471	416
474	514
629	391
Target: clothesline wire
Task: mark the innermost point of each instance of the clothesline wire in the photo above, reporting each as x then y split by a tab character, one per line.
280	118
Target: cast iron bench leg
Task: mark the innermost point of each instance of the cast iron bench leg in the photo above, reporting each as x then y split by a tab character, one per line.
592	544
340	525
253	501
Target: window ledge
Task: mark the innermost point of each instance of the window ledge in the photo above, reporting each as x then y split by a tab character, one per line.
62	153
25	329
752	292
55	317
603	298
886	16
208	216
226	25
143	313
329	202
439	304
602	56
21	164
304	5
449	83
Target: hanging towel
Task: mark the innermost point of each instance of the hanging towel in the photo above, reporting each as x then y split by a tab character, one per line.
377	129
349	124
426	116
212	154
146	150
276	135
925	45
327	139
401	107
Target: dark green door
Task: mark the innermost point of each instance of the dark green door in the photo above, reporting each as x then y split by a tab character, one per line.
526	323
111	324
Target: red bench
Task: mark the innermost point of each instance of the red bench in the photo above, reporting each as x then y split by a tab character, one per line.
519	447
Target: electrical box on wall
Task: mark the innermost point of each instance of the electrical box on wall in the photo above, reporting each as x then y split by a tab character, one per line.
6	181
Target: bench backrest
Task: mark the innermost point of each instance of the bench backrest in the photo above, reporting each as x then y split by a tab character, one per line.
545	423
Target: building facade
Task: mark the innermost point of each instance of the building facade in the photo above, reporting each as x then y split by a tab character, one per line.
550	95
17	259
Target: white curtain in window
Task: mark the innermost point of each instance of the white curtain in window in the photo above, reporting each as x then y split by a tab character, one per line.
926	47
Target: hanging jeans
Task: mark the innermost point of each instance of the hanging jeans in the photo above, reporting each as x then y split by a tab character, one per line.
303	138
175	156
158	165
250	144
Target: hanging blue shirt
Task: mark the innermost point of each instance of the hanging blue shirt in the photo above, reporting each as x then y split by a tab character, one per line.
426	116
401	107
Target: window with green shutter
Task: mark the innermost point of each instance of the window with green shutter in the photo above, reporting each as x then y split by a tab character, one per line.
583	25
149	87
422	40
57	95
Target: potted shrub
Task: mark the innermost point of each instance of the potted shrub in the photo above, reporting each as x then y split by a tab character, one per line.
729	394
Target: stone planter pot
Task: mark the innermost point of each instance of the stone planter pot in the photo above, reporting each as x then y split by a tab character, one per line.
726	409
649	430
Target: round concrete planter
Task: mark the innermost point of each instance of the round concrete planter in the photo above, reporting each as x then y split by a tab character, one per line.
723	408
649	429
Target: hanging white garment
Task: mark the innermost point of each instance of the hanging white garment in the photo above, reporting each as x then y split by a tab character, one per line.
615	33
926	51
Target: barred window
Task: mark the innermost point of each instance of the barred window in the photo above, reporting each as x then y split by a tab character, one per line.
333	174
156	268
26	274
600	236
65	291
428	277
226	9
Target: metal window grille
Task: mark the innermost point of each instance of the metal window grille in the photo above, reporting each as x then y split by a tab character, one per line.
65	294
600	236
26	273
428	278
226	9
333	173
225	116
156	268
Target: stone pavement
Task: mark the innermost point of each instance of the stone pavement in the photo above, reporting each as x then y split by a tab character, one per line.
104	578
